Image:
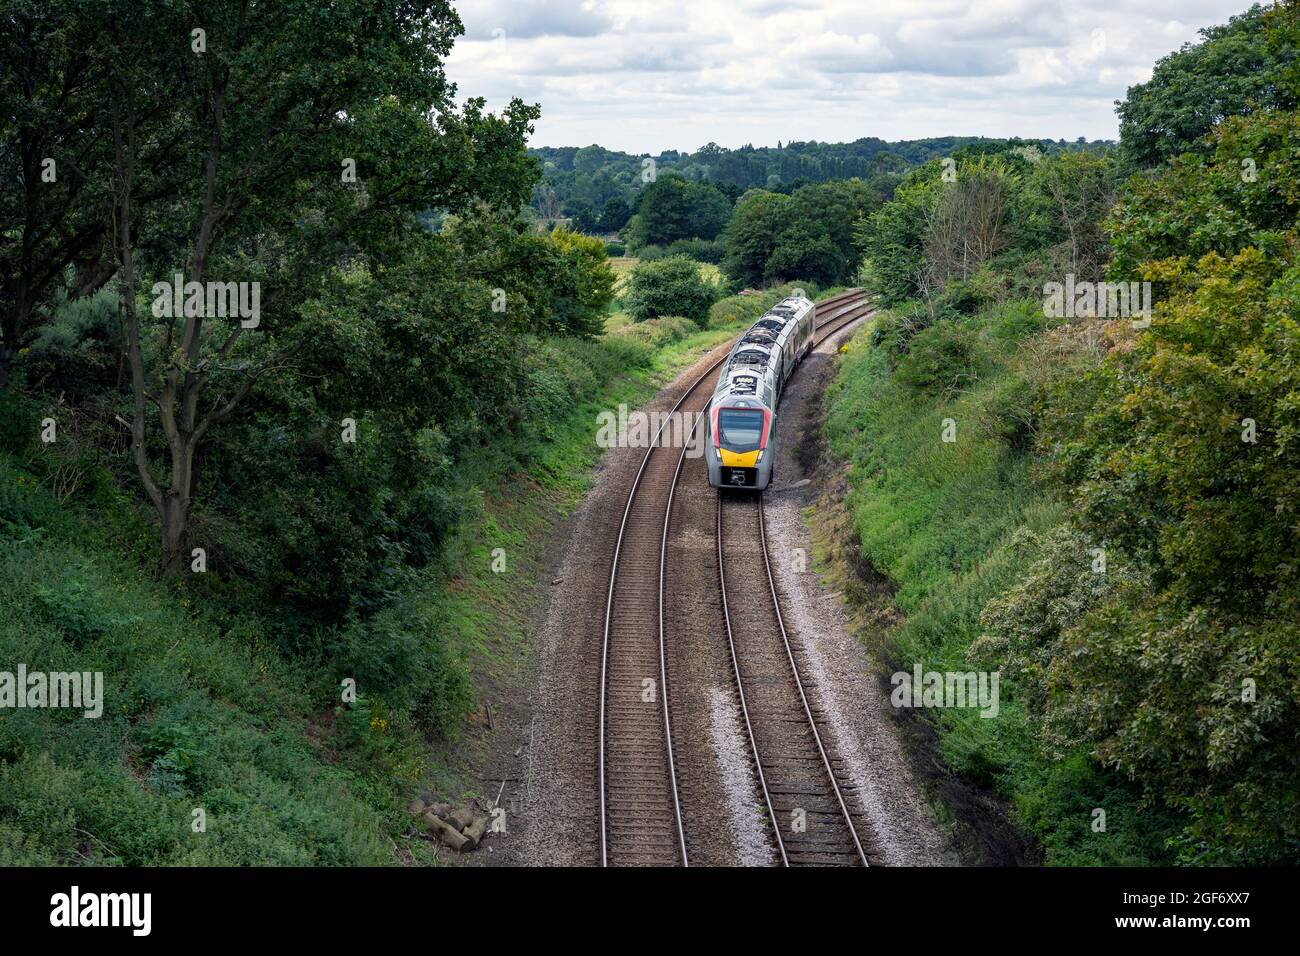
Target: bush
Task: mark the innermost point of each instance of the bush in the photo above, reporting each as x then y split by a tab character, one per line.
615	249
656	332
403	654
77	350
670	286
20	419
940	359
960	297
587	288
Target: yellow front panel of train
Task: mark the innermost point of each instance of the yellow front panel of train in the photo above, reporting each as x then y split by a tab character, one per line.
738	459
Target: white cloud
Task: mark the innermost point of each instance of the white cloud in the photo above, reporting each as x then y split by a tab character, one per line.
526	19
645	75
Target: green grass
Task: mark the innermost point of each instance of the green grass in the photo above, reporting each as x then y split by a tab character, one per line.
622	266
194	717
617	320
937	518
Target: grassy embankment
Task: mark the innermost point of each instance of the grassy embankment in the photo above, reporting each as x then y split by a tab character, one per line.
940	521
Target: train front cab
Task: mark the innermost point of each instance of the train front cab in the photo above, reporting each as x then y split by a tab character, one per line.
741	448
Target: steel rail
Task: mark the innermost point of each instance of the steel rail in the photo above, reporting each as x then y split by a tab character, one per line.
847	313
803	696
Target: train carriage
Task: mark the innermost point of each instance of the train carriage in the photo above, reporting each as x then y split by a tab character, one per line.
740	425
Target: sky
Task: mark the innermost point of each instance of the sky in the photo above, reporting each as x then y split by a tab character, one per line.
645	76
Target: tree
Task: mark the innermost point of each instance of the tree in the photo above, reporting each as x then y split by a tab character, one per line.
669	286
1183	447
583	214
1233	70
751	235
802	251
1212	203
587	286
893	236
279	106
547	201
615	214
52	146
1180	452
1083	188
671	208
412	351
808	235
588	159
968	224
826	213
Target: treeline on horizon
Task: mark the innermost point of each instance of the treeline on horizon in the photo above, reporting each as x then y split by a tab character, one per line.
579	181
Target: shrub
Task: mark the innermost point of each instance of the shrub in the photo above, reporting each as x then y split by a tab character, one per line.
961	297
940	359
615	249
670	286
739	308
656	332
588	286
77	350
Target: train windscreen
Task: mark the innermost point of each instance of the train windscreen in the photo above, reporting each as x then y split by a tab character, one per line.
740	429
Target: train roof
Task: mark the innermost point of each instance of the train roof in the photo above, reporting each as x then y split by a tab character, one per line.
757	351
759	335
792	305
751	353
741	382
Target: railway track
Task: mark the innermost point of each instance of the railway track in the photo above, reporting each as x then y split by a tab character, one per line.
800	780
640	803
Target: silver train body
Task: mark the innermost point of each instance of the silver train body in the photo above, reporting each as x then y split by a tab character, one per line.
740	429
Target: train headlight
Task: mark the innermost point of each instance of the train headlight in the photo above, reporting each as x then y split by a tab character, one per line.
759	459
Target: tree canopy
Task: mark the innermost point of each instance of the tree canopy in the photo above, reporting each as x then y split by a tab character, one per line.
1237	67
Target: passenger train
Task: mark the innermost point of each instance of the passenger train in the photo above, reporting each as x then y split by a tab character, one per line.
740	427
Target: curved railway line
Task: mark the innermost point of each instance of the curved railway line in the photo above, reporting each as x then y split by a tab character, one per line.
640	803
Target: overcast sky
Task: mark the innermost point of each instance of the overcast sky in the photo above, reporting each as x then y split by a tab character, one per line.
649	75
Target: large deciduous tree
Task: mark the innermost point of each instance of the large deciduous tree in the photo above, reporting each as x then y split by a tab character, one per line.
969	223
751	235
1237	67
1082	188
260	145
671	208
1180	451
